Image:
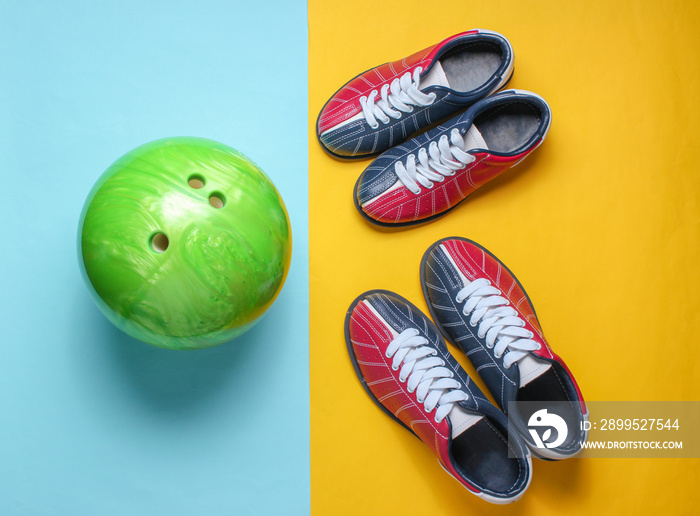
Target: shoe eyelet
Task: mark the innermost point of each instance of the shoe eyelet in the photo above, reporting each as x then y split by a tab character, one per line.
394	368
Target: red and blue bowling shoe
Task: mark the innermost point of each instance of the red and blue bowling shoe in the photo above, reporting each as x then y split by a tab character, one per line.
480	306
384	106
405	367
432	173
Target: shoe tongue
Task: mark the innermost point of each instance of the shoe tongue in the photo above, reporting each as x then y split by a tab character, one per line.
531	368
474	140
435	77
462	420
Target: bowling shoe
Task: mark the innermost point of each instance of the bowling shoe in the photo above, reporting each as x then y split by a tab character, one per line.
432	173
480	306
386	105
404	365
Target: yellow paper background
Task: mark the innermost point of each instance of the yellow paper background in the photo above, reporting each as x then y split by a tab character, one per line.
601	225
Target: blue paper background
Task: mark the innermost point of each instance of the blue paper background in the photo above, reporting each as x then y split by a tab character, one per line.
92	421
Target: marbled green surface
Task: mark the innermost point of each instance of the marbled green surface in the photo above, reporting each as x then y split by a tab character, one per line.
223	266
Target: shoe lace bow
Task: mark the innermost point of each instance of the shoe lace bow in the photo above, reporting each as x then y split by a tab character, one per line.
401	96
441	159
499	323
425	373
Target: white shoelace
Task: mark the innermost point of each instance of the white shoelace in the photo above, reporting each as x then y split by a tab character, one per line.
434	384
402	96
497	321
439	161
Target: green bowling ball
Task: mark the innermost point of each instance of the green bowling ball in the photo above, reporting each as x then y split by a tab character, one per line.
184	243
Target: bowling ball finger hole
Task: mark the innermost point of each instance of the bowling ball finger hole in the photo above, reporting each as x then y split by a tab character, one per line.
217	200
159	242
196	182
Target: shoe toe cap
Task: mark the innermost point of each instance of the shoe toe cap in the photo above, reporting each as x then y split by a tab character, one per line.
377	194
374	181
